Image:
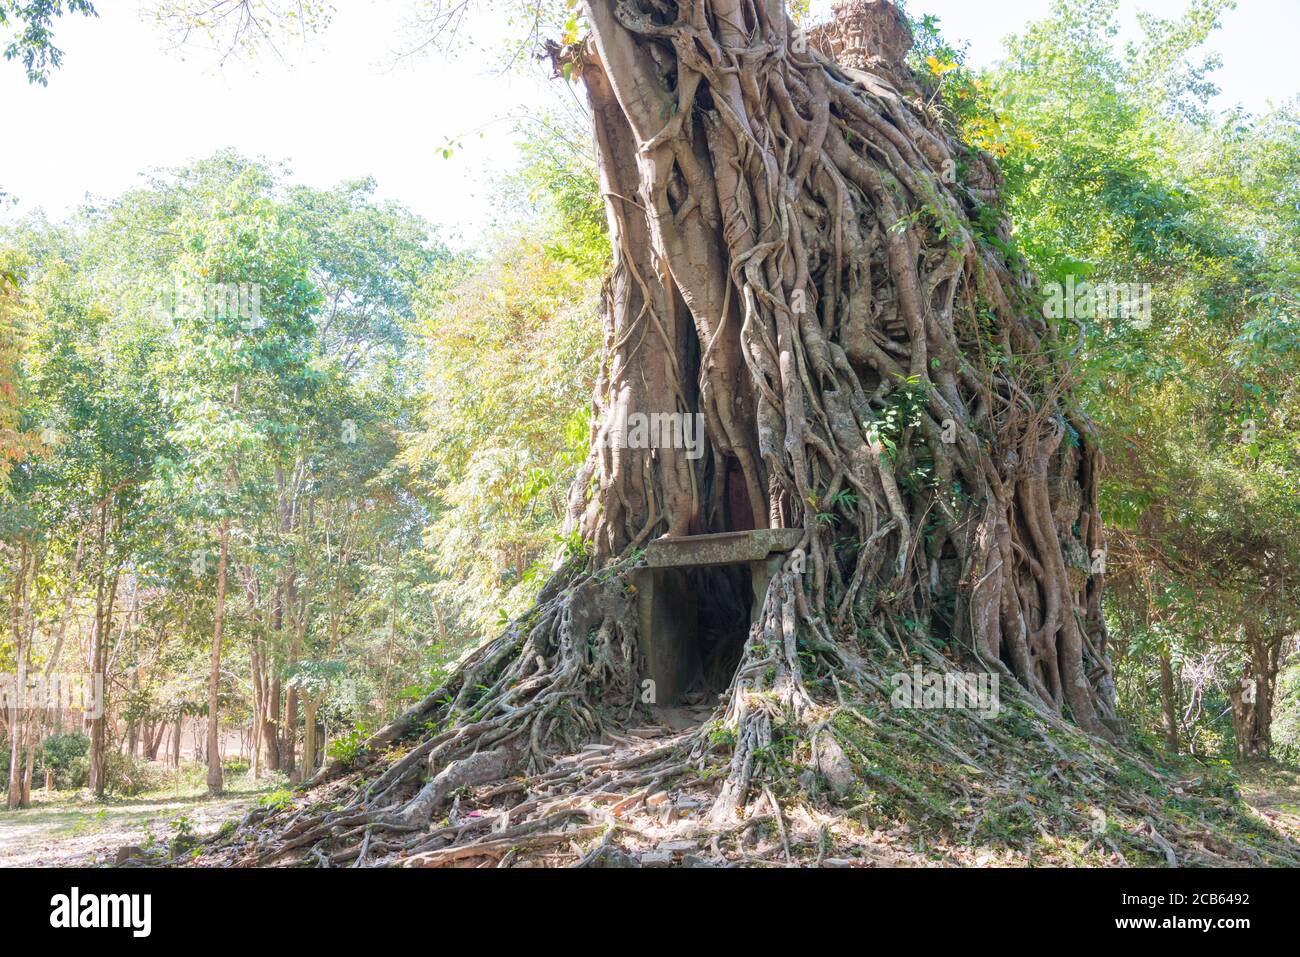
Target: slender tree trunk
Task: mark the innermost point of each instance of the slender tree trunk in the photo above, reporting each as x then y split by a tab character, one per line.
388	653
133	704
30	767
105	599
18	613
35	708
289	743
97	640
271	720
255	731
309	739
215	782
1169	703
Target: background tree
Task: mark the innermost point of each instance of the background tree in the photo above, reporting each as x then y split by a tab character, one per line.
217	358
32	26
1119	172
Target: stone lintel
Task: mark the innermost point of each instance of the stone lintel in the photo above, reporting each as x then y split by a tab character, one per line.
724	548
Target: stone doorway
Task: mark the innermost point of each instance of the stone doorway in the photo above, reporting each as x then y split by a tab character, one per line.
697	596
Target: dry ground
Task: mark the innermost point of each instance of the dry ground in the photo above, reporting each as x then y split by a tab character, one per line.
69	829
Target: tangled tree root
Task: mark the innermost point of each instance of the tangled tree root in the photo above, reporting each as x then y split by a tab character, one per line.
852	780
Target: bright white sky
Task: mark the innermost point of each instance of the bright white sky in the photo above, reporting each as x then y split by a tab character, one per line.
344	105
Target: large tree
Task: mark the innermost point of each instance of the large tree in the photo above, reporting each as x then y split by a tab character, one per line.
806	255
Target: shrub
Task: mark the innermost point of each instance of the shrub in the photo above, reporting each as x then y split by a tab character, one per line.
128	776
348	746
66	755
232	766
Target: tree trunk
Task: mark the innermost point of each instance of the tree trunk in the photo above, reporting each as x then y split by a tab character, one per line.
215	782
133	725
97	641
309	737
17	608
792	236
255	731
1250	744
271	723
105	599
35	708
1252	698
289	742
1169	703
30	767
385	699
288	745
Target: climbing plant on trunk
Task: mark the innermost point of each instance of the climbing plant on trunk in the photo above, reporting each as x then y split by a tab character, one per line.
807	256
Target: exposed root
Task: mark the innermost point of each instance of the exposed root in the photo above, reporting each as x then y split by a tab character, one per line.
885	786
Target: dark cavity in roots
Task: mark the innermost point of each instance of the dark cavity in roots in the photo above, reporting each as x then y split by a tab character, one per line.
699	622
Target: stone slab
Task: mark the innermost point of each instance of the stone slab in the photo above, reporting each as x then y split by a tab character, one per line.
724	548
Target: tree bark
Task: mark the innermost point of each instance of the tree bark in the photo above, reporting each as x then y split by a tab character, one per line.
20	603
101	646
1169	703
271	721
309	737
1252	698
215	782
795	258
99	653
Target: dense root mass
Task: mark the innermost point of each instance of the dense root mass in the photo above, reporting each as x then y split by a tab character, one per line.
808	258
868	784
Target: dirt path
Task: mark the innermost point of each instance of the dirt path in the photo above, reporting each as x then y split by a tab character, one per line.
71	832
1274	792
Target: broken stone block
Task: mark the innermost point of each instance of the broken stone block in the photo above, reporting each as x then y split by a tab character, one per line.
834	765
613	858
130	853
678	847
